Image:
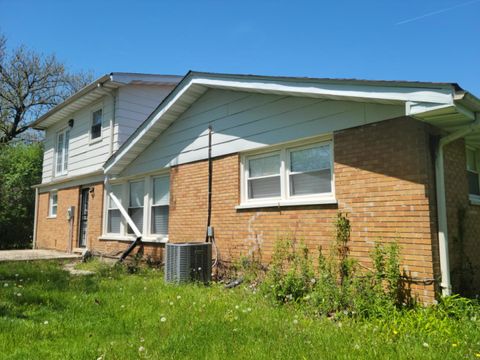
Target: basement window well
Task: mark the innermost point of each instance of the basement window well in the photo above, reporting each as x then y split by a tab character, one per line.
288	176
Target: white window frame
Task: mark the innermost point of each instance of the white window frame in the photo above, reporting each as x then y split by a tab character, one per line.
147	236
98	107
65	152
107	207
52	205
247	175
474	199
285	199
159	237
145	201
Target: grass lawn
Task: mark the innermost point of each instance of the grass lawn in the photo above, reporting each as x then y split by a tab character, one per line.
46	313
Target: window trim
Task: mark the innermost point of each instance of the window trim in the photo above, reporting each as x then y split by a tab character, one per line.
285	198
108	208
151	205
125	194
94	109
51	205
65	149
145	192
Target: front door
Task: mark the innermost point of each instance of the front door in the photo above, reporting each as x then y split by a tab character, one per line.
82	239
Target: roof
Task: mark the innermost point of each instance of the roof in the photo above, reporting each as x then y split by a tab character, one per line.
96	90
418	97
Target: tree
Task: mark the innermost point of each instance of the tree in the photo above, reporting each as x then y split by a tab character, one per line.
30	85
20	168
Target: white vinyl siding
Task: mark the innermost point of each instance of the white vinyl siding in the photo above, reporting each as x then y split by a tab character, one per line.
160	205
52	204
244	121
61	152
114	217
136	204
288	174
133	105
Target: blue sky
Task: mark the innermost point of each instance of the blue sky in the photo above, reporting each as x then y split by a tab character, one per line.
384	39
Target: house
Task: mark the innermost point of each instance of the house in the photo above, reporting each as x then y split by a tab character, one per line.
401	158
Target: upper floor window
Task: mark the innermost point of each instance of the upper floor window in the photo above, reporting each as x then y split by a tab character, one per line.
289	175
52	204
96	129
473	172
63	140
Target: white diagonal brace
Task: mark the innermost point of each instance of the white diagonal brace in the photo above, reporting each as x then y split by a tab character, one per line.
125	214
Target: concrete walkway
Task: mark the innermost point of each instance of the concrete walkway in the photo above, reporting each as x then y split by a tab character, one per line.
25	255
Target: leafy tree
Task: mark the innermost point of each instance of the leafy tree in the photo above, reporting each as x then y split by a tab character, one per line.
30	85
20	168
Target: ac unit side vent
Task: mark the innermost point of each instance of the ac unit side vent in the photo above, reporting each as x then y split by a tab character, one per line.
187	262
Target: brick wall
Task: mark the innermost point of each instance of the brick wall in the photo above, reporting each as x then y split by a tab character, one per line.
463	223
53	233
383	174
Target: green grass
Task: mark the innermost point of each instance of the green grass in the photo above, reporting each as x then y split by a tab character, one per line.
115	315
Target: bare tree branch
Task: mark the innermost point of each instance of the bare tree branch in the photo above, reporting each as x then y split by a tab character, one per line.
30	85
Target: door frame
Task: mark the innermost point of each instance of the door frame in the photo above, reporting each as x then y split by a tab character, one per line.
80	198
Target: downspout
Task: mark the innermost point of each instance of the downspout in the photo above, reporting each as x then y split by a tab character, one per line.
446	284
35	218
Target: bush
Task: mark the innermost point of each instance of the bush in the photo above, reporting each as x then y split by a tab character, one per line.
20	168
336	285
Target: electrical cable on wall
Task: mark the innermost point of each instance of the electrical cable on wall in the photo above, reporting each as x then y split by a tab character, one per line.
210	235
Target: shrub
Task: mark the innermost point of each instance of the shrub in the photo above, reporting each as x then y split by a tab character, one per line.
336	286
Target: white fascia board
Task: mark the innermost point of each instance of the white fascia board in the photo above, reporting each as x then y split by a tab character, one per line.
361	92
148	126
438	96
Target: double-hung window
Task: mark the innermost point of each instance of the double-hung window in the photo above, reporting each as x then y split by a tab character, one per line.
61	150
114	217
473	173
263	176
96	129
136	202
289	175
309	170
160	205
52	204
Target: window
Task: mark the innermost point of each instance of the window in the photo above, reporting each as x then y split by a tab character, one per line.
136	202
114	216
63	140
289	176
309	171
160	205
473	172
96	130
52	208
263	176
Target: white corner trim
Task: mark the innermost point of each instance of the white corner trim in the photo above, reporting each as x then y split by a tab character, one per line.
286	203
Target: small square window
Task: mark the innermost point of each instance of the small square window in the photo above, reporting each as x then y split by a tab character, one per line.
52	208
96	130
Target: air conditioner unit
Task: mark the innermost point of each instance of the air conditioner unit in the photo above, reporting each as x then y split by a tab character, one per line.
187	262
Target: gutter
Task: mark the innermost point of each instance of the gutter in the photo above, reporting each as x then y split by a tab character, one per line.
446	284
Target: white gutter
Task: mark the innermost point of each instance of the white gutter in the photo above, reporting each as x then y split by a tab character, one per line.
446	284
35	217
